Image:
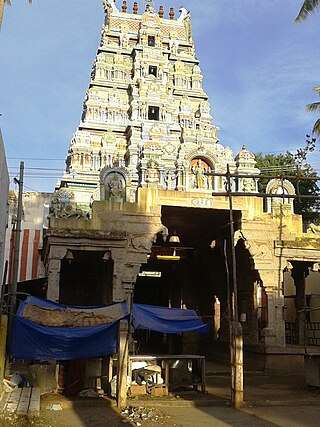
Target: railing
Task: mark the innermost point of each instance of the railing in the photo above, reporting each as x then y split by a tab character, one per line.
312	333
290	333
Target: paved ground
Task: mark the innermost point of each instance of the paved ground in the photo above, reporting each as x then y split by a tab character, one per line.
270	400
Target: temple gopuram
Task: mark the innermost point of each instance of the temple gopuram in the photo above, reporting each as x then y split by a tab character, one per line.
142	211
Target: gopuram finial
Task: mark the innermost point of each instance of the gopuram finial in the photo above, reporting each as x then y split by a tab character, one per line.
124	6
135	8
110	6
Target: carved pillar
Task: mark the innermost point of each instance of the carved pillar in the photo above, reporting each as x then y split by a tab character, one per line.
270	272
274	333
127	263
118	256
122	366
53	272
299	273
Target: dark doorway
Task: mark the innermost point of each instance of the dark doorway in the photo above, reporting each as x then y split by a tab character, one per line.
86	279
188	273
151	41
153	113
153	70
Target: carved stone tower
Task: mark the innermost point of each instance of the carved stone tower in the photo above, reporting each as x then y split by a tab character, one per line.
141	157
146	119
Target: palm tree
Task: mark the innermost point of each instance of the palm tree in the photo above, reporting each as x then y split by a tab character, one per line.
2	3
309	6
315	106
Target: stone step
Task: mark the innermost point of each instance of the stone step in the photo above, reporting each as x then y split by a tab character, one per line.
22	401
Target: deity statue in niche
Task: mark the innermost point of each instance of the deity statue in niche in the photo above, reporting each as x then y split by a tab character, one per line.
248	185
171	179
115	186
198	169
69	160
152	172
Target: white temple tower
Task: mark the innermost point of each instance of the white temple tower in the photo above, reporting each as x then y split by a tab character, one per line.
146	119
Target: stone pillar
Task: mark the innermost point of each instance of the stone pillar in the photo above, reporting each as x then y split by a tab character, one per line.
299	273
53	272
122	367
248	307
270	270
53	279
224	331
274	333
118	256
236	356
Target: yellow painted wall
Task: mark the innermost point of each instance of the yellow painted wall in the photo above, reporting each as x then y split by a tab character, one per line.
3	336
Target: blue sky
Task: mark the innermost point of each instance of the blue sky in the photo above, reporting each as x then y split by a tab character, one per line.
259	69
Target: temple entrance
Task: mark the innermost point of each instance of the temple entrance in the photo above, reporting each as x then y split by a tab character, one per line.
188	270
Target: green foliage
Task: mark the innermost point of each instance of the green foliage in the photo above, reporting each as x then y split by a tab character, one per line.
308	6
315	106
288	165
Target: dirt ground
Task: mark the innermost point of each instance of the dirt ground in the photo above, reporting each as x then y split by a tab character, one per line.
271	399
87	412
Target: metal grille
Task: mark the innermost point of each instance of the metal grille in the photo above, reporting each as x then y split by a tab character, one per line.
290	333
313	333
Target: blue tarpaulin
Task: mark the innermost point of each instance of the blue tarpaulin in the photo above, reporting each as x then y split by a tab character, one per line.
167	320
36	341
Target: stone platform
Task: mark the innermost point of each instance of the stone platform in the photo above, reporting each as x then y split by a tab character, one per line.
22	401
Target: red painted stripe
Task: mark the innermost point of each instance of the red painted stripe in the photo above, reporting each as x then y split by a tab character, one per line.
24	256
35	254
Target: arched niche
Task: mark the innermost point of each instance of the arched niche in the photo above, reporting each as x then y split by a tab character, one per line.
113	183
282	188
197	165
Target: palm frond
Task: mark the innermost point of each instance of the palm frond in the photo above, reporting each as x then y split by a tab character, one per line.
308	6
315	106
316	128
2	3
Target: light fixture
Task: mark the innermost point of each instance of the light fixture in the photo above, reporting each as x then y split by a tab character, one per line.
213	244
174	238
69	257
315	266
169	257
106	256
289	266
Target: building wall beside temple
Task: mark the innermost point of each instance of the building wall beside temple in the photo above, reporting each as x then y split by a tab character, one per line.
4	187
35	209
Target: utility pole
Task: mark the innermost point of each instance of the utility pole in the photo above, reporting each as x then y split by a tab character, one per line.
16	257
236	337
